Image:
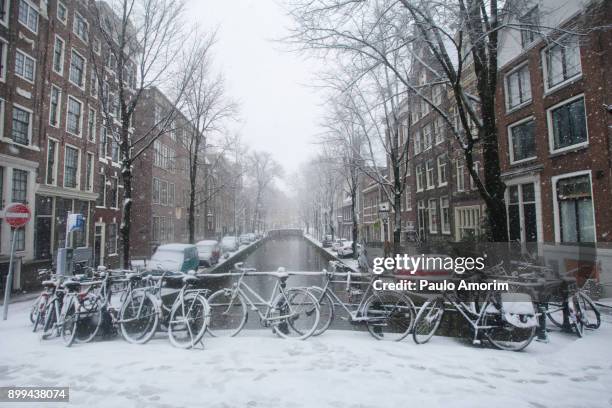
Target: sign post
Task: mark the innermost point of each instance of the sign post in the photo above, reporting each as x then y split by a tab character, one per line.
16	215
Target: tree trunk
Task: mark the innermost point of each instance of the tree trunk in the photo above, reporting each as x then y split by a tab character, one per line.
126	175
355	230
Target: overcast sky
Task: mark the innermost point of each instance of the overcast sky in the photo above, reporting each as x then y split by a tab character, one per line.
279	112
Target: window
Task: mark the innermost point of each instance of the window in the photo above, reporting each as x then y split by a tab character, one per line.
567	125
91	125
477	171
54	106
155	191
460	175
522	141
4	12
518	87
113	196
408	194
467	222
420	177
74	116
522	222
42	228
436	94
171	192
20	239
3	58
59	49
22	126
89	172
115	149
101	200
62	12
562	62
77	69
25	66
442	176
575	209
427	139
111	238
71	167
80	27
20	186
438	130
424	107
156	229
97	46
52	156
102	149
429	172
93	86
163	199
422	215
529	27
433	216
417	142
445	215
28	16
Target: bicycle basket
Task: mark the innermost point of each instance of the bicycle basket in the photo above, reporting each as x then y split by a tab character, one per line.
518	311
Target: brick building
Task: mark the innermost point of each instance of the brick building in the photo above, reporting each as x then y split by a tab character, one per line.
51	133
554	128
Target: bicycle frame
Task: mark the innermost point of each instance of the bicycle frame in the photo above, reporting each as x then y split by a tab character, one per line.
472	317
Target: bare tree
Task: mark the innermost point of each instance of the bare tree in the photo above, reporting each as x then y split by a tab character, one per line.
263	170
207	108
140	42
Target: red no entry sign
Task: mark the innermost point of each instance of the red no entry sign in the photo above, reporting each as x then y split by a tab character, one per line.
17	215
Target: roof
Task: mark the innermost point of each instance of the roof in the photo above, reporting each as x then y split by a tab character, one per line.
175	247
207	242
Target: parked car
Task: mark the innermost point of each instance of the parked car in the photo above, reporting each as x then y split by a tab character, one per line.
327	241
175	258
229	244
339	243
347	249
209	252
244	239
252	237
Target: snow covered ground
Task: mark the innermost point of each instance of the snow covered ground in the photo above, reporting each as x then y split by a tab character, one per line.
339	369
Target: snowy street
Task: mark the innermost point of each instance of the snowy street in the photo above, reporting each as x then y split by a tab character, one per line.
339	369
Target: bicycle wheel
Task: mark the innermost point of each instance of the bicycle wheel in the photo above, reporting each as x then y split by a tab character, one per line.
590	315
40	315
504	336
428	320
69	324
188	320
301	311
576	313
35	309
389	315
228	313
139	317
556	315
326	309
89	319
50	319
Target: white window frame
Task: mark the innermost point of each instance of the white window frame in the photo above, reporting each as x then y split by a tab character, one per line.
61	71
89	156
548	90
440	164
430	181
469	211
55	161
7	7
80	135
442	229
418	148
103	192
78	15
408	194
73	51
30	126
477	170
65	20
459	178
78	172
439	135
419	172
58	114
514	71
556	214
428	141
551	134
26	55
433	226
511	143
32	7
535	180
115	205
4	58
90	137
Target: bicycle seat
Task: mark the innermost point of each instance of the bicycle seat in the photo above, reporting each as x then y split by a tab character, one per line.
48	284
190	279
281	273
72	285
133	277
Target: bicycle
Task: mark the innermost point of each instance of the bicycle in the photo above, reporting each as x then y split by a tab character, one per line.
144	313
388	315
291	312
486	316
